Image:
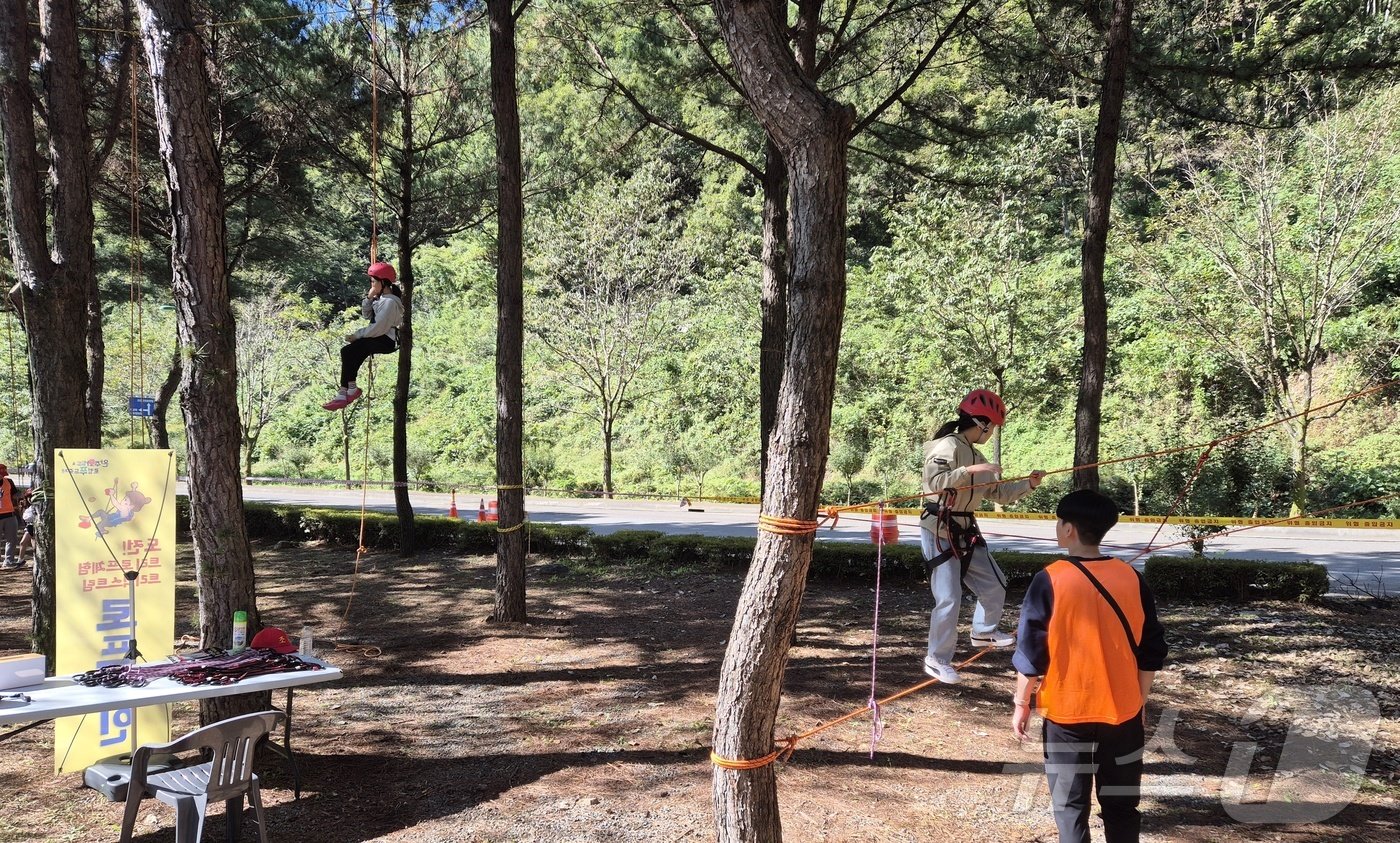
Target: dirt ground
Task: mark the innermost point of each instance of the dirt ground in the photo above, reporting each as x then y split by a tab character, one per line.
592	723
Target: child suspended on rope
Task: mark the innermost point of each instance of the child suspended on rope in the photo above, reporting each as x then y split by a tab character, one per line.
383	307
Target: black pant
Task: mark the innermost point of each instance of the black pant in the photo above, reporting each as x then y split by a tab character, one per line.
355	353
1103	755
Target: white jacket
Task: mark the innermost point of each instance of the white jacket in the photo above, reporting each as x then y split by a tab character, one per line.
385	315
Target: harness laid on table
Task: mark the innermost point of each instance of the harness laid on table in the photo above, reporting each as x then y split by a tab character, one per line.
962	540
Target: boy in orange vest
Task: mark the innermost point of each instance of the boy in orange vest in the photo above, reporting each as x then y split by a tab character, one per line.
1090	643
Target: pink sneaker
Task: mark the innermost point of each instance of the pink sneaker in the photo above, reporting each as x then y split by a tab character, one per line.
339	402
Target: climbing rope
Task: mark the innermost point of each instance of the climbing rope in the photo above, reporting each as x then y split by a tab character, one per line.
136	318
788	745
787	526
833	511
877	723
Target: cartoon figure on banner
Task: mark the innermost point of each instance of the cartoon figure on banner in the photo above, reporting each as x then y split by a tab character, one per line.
120	509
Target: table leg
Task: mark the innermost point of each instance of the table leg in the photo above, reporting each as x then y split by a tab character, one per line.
285	748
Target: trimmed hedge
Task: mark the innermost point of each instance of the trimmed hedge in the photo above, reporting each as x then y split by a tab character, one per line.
1235	580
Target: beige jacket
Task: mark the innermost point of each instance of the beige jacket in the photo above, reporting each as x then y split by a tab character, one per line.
945	467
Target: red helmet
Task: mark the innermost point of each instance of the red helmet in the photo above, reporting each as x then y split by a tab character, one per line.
382	271
985	403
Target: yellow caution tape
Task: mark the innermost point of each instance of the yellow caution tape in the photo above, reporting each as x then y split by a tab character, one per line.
1193	520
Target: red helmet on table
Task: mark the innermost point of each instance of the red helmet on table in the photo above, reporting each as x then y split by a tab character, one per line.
382	271
984	403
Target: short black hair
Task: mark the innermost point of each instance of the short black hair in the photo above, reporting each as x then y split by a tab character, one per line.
1091	513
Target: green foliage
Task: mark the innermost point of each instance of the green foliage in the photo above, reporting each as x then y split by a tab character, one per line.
624	545
1234	580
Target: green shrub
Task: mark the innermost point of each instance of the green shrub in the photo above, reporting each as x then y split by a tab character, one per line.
1020	567
556	538
688	551
1235	580
624	545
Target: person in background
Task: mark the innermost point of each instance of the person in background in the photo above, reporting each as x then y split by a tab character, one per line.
1090	644
954	550
10	507
28	515
383	307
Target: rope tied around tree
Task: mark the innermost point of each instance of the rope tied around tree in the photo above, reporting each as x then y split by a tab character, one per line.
787	526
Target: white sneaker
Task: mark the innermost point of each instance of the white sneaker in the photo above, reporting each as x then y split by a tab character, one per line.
943	672
995	638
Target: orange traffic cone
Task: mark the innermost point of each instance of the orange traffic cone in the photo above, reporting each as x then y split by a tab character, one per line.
452	508
481	511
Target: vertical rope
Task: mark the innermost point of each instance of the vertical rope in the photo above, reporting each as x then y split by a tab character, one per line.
135	315
877	724
10	384
374	131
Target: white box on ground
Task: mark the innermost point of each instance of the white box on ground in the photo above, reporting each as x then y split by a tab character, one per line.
18	671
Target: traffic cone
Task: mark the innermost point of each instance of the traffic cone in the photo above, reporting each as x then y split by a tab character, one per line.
452	508
481	511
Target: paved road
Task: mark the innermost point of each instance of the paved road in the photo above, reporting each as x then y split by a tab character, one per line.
1367	558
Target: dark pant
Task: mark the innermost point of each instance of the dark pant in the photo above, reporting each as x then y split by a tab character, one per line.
1101	755
352	355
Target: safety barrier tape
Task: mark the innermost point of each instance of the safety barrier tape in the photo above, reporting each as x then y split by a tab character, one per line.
1190	520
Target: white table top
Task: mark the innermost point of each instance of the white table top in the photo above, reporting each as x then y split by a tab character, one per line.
62	697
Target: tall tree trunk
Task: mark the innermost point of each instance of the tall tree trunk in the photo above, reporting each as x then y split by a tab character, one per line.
1298	453
510	318
70	151
607	455
204	321
773	309
1094	367
160	430
408	534
55	279
811	131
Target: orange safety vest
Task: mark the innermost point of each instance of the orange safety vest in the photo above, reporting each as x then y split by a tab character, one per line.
1093	673
7	496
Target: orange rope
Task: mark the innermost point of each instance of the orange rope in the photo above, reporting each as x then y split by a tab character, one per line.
788	745
787	526
135	317
374	132
834	510
1314	514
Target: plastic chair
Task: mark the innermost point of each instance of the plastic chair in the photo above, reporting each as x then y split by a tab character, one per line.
227	775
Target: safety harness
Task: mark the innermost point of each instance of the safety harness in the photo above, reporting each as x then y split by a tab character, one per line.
962	539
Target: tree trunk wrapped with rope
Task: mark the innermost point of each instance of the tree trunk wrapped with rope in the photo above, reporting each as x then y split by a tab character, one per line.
811	131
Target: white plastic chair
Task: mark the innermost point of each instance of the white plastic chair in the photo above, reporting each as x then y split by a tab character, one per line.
227	776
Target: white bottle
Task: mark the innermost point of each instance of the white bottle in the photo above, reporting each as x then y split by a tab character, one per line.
240	632
306	642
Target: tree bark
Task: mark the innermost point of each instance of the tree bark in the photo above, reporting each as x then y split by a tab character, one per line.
1087	414
811	131
510	318
773	307
403	506
607	456
55	279
204	322
160	430
70	151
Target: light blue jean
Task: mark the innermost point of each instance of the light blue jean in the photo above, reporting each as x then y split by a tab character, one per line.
985	579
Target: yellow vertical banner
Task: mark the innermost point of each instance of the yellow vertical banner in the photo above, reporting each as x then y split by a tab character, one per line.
114	516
